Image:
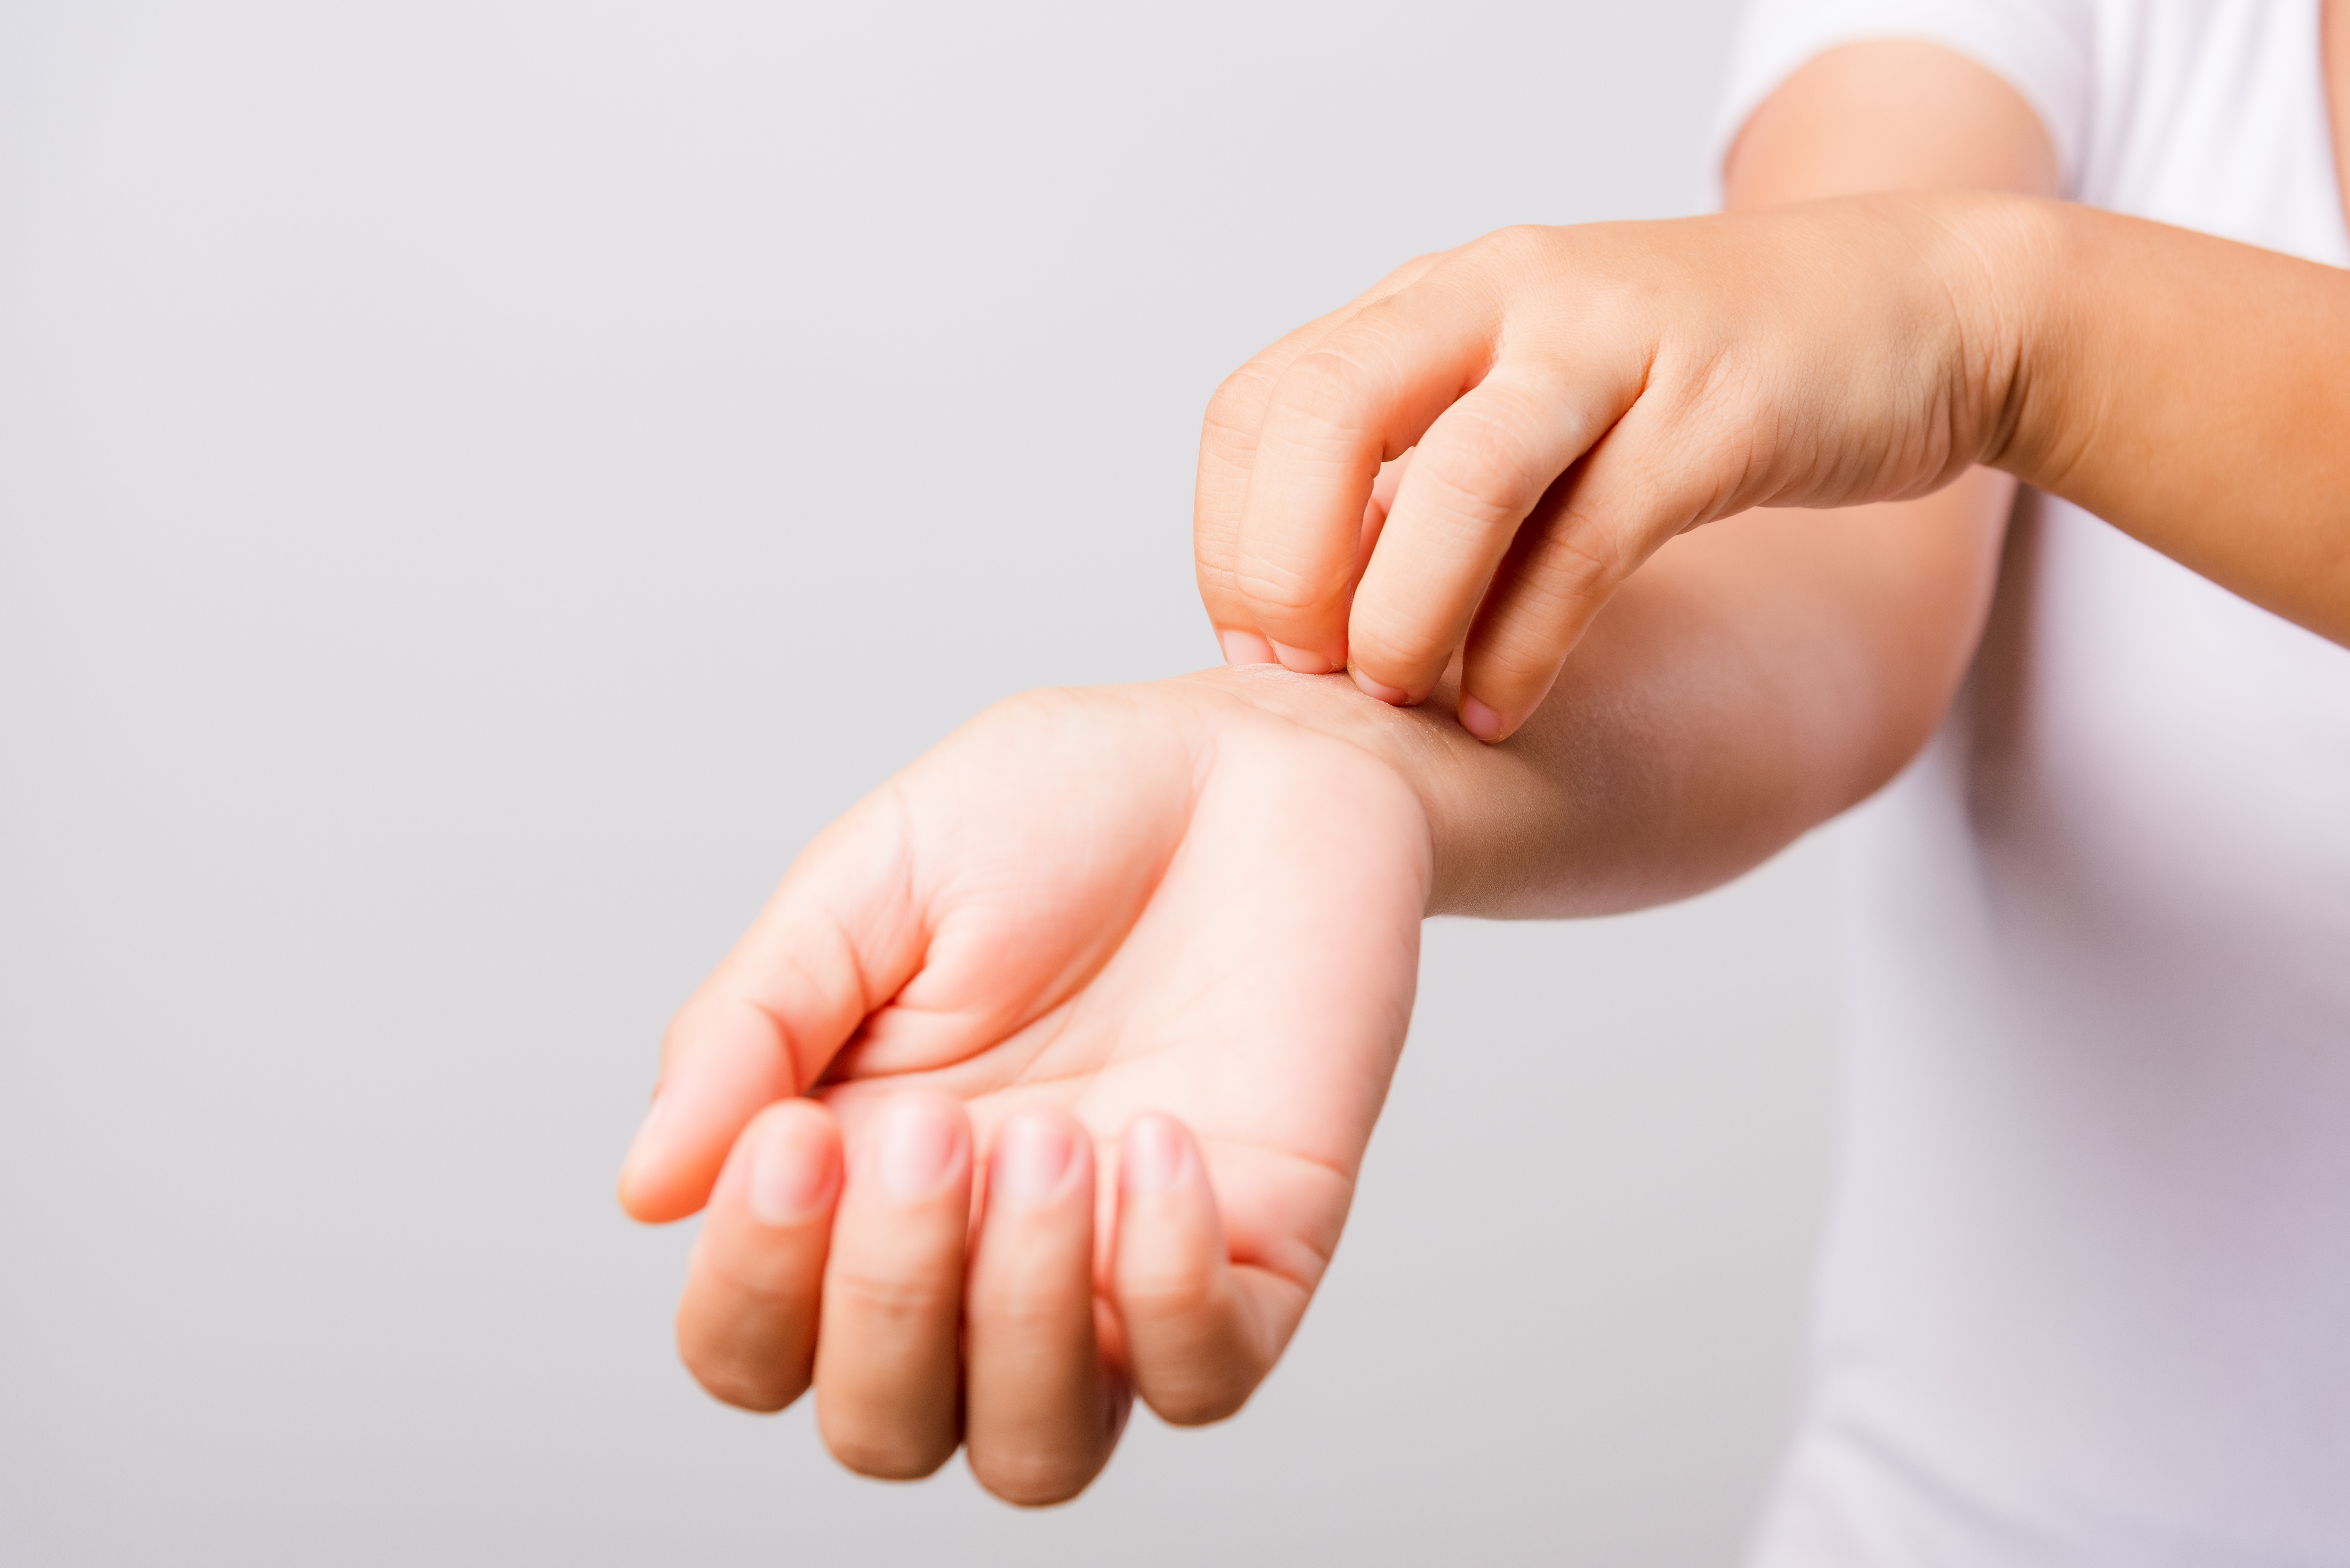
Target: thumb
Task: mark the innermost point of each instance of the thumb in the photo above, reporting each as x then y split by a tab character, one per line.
839	938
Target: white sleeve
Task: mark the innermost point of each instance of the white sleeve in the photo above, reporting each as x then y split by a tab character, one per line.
2043	48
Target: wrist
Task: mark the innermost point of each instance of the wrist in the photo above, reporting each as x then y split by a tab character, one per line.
1411	742
1478	801
2018	324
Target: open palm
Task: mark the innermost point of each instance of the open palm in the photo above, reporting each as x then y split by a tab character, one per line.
1154	922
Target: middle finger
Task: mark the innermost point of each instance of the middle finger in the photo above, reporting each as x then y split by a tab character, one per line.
885	1358
1228	439
1040	1418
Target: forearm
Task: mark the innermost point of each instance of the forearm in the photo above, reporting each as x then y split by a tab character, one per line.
1750	682
2192	391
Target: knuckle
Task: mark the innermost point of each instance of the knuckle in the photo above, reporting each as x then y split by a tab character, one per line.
887	1300
1514	243
1326	386
1488	462
1270	590
1580	555
1032	1310
754	1282
1409	271
1235	406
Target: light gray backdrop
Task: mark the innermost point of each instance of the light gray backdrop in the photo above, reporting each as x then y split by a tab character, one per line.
480	484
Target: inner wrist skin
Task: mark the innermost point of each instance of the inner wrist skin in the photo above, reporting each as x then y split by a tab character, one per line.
1497	816
1465	786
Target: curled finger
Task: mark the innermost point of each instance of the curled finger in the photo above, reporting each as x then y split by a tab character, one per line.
1201	1333
1593	528
887	1367
1227	445
1358	398
1040	1413
1476	477
746	1326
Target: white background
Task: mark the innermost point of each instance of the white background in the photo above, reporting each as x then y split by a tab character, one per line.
480	484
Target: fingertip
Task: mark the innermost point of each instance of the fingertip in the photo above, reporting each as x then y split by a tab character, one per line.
1303	662
1394	696
1514	693
921	1144
1169	1242
1245	648
1034	1156
795	1164
1480	720
639	1196
724	1064
1156	1154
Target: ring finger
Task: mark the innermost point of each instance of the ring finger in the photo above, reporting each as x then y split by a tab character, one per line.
1040	1414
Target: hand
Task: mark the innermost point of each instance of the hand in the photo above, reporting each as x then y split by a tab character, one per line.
1095	1006
1571	398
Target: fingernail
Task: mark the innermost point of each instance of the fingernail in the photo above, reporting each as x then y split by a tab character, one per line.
790	1177
1480	720
1298	660
1153	1159
1385	693
1033	1154
919	1144
1245	648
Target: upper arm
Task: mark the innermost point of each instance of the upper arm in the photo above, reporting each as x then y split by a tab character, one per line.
1888	115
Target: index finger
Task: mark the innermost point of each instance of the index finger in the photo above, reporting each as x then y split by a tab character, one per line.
1228	443
1361	396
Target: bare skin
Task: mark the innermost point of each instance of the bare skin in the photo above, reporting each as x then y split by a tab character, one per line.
1044	1078
1134	964
1573	397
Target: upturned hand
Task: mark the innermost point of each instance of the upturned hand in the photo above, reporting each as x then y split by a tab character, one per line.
1043	1080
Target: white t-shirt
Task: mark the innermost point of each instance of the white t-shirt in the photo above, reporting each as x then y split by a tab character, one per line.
2087	1298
